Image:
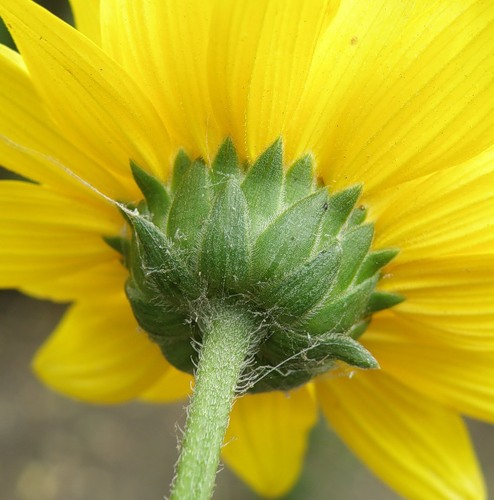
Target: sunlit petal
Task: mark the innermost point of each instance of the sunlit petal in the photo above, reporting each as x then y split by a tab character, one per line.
46	236
31	144
455	371
164	45
417	446
399	89
87	18
258	76
450	211
108	116
97	354
267	439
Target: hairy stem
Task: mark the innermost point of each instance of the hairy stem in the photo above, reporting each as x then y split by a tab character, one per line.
227	334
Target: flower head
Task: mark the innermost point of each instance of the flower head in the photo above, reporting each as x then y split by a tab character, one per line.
394	96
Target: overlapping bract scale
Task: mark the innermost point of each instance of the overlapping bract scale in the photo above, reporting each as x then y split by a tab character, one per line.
298	259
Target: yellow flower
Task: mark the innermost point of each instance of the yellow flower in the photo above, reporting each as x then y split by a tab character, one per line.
393	94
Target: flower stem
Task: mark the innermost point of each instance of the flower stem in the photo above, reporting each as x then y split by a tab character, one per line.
227	334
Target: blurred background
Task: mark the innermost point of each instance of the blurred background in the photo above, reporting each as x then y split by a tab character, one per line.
53	448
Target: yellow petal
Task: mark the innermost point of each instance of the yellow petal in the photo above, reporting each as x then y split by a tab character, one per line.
98	354
173	385
447	212
399	89
25	127
93	281
45	236
87	18
260	54
99	107
267	439
418	447
452	292
428	361
164	45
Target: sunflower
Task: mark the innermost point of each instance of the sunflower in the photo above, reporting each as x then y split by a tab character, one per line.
393	96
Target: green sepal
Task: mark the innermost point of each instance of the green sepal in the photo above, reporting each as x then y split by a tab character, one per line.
224	257
340	207
159	261
305	274
302	289
285	377
142	208
137	273
288	359
263	187
344	348
299	357
190	207
172	331
316	350
157	319
119	244
299	180
225	165
288	241
357	330
340	311
179	352
280	381
180	166
155	194
373	263
357	216
354	245
383	300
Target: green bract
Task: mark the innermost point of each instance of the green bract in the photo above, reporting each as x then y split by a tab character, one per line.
273	244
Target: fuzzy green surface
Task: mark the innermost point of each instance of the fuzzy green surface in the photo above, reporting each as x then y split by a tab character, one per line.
225	350
294	257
